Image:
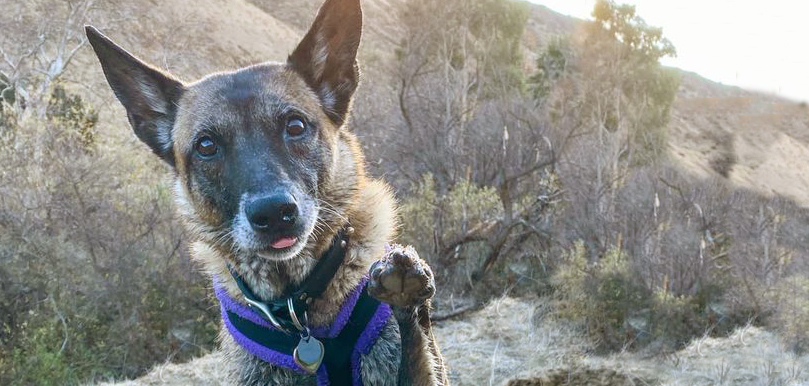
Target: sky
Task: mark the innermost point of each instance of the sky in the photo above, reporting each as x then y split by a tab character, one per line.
758	45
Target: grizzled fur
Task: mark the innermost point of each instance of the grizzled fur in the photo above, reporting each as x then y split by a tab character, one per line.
233	136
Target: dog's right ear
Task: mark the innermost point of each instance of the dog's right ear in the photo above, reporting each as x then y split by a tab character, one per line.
149	95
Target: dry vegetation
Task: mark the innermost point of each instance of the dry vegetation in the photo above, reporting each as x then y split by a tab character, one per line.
518	338
647	225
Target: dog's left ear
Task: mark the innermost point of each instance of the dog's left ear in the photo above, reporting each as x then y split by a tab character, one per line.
326	58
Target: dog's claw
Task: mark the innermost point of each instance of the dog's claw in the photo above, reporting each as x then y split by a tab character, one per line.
401	278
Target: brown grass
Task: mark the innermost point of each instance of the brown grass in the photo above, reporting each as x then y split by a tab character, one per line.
203	371
520	338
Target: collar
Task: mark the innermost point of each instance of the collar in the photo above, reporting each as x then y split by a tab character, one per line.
356	328
289	314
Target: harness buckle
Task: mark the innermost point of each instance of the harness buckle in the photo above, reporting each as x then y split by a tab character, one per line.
268	313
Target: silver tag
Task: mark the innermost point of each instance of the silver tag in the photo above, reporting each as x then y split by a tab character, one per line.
309	354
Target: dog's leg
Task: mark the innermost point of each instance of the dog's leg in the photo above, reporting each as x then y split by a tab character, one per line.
404	281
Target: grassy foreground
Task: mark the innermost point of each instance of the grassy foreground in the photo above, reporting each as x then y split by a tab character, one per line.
521	338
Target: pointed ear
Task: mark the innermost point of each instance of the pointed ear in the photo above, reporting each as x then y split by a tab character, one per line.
326	58
149	95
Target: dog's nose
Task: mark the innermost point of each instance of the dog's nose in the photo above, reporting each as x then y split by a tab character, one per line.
276	212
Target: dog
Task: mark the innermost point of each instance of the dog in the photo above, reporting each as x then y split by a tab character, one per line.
271	185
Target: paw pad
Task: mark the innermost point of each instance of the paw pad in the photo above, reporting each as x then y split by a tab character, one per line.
401	278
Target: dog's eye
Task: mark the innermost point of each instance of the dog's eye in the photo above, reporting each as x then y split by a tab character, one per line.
206	147
295	126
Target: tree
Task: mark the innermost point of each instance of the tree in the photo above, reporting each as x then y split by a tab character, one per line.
468	125
30	67
607	89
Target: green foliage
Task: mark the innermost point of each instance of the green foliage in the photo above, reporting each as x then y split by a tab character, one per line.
605	295
620	23
570	282
650	92
506	18
501	24
620	311
7	94
39	361
647	90
675	319
616	84
462	207
479	38
430	220
417	214
551	66
702	258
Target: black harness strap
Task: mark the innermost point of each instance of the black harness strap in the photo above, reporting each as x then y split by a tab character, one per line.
339	349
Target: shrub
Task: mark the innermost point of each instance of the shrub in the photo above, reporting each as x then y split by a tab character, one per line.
724	158
674	319
68	111
428	218
791	315
605	295
93	280
619	310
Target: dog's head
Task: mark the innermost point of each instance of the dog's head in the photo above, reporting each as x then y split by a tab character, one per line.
250	148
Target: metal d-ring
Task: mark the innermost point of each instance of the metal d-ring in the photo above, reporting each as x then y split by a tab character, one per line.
266	311
294	316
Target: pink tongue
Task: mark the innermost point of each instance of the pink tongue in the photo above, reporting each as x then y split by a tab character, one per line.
284	242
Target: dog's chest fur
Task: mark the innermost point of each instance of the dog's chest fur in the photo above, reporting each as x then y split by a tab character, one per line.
372	215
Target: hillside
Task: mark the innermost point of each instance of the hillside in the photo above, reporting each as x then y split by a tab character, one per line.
768	135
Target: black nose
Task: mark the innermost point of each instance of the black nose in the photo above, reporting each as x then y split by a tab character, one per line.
276	212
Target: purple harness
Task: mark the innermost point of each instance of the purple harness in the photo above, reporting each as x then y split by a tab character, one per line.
357	325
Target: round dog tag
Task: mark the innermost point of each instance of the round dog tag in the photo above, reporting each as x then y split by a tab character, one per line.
308	354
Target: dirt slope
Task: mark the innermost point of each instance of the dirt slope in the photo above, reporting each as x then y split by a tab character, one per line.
768	135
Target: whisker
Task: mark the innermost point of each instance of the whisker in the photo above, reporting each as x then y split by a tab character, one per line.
328	208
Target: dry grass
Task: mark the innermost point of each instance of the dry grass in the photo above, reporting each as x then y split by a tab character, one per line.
507	337
203	371
750	356
521	338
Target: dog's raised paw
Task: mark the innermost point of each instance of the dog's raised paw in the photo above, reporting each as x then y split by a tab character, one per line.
401	278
